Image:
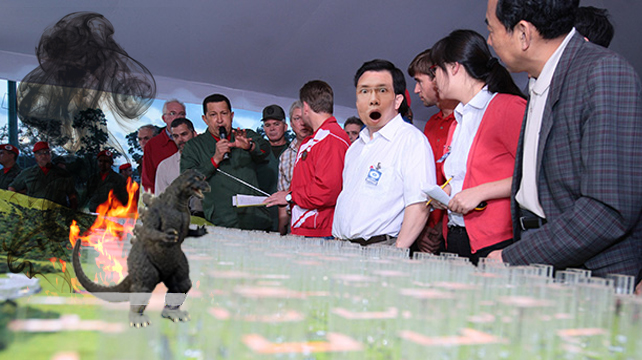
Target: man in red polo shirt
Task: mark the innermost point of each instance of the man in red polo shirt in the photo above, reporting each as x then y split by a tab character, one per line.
161	146
436	130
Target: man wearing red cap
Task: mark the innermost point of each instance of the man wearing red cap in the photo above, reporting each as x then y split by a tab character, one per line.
99	185
125	170
8	156
46	181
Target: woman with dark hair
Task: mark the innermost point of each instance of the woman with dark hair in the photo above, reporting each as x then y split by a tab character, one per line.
479	156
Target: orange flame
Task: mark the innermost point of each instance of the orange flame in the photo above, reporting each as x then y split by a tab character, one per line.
113	224
63	268
63	263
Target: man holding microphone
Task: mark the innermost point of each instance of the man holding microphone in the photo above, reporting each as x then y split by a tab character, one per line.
228	158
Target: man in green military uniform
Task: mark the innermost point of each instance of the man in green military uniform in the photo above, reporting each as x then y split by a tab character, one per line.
45	180
8	157
100	184
237	153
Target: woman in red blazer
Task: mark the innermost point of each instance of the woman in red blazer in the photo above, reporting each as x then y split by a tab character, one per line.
479	157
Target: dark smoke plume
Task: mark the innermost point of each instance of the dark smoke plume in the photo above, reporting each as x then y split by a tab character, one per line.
81	70
81	67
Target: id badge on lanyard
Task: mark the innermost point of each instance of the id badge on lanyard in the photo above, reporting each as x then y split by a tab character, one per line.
374	174
449	140
444	157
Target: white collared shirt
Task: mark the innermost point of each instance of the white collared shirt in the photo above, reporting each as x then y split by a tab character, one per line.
370	207
468	117
168	170
528	196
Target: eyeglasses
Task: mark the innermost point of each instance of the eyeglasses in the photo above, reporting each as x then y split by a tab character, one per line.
174	113
367	90
432	70
43	152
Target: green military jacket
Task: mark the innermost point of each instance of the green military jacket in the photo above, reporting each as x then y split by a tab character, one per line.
6	179
98	189
242	164
57	185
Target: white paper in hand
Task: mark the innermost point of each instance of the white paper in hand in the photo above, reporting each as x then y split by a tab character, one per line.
241	200
437	193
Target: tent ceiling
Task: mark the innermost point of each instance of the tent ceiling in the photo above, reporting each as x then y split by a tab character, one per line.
274	47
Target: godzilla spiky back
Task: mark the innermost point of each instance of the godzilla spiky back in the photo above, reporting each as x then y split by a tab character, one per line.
156	246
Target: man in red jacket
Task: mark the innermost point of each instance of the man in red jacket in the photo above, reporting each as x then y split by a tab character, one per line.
161	146
316	179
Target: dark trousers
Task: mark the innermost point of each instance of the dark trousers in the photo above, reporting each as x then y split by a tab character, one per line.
458	242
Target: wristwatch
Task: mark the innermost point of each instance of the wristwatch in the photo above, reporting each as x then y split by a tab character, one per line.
288	198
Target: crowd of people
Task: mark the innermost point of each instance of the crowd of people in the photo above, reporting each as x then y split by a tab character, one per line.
51	180
546	176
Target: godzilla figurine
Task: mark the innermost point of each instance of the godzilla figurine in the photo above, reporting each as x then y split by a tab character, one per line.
156	254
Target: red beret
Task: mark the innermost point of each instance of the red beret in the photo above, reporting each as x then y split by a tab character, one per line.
124	166
40	145
105	153
9	147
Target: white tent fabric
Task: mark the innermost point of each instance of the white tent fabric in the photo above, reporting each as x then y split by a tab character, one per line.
15	66
262	52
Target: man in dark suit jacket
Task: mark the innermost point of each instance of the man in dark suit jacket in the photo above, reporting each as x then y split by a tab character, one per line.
577	187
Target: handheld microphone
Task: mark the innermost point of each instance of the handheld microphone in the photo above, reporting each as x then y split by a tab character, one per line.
222	133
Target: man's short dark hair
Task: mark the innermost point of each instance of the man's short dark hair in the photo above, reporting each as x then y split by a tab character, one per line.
214	98
398	80
353	120
319	95
180	121
551	18
420	64
594	24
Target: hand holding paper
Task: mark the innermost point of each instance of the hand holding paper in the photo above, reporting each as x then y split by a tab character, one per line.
436	192
278	198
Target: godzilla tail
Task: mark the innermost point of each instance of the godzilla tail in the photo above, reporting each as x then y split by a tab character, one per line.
114	293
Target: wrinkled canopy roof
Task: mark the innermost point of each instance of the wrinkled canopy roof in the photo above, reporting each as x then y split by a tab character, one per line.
262	52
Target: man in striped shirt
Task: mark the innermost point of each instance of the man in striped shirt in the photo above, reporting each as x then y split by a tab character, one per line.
316	179
288	158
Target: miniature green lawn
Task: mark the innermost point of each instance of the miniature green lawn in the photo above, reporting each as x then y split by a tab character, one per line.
219	270
44	345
